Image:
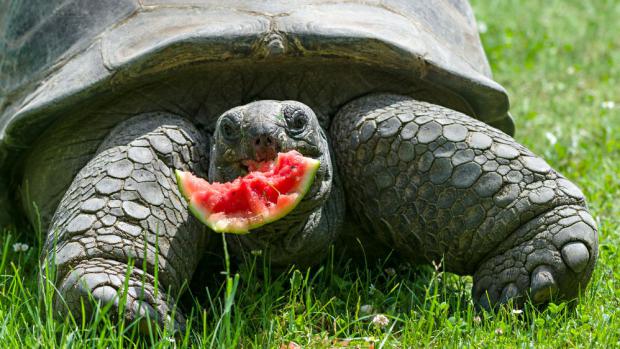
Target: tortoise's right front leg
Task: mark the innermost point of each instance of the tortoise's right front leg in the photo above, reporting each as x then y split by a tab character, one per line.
123	209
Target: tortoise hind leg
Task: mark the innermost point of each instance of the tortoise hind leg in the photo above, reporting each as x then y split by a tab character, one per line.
439	185
124	208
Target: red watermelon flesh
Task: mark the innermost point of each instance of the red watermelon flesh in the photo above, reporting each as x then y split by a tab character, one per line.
267	193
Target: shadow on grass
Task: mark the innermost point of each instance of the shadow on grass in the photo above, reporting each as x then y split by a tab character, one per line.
252	305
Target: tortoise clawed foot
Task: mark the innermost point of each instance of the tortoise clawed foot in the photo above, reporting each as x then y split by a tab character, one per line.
552	261
119	290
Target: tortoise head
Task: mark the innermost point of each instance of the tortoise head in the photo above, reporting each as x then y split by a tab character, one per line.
258	131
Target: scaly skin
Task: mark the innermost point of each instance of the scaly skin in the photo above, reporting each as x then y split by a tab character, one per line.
439	185
124	208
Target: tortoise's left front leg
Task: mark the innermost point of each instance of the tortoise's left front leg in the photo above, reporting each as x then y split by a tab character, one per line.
436	184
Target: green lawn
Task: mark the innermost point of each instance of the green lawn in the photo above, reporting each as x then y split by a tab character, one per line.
560	62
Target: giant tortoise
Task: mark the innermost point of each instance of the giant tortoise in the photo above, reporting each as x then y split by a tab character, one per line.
101	100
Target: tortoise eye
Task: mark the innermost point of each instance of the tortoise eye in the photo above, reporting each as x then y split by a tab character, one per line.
229	129
296	120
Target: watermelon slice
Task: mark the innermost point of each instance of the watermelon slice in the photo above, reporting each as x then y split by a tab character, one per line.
267	193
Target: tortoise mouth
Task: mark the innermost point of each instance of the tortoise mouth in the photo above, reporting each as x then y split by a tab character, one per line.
243	167
260	164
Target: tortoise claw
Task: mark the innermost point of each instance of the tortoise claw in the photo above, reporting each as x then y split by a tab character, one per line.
543	285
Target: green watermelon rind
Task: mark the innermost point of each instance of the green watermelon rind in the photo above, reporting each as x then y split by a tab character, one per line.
194	209
312	166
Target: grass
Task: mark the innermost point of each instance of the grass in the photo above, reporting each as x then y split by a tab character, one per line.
560	62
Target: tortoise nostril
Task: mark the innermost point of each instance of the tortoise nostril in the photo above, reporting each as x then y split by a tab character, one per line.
264	141
265	148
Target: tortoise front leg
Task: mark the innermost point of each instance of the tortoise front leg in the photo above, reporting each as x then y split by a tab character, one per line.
124	208
438	185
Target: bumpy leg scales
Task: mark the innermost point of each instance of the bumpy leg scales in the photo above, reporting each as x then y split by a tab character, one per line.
439	185
549	258
122	222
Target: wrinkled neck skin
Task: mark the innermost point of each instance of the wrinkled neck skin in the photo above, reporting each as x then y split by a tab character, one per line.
239	136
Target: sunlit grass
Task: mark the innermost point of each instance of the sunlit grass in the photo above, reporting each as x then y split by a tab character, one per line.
560	62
